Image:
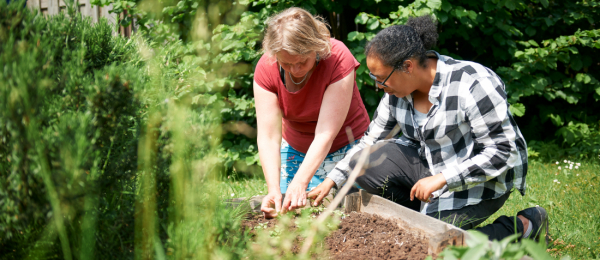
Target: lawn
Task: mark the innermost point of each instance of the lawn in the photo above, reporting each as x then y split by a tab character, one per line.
569	195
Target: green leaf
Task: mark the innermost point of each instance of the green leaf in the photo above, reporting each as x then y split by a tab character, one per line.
536	250
443	17
475	252
510	4
434	4
473	15
361	18
352	35
530	31
576	63
250	160
556	119
532	42
539	83
517	109
544	3
499	38
446	6
573	50
598	90
488	6
582	77
372	24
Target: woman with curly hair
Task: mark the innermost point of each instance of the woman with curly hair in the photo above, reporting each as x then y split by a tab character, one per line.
306	103
461	152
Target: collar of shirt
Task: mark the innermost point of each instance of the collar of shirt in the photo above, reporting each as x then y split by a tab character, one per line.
436	88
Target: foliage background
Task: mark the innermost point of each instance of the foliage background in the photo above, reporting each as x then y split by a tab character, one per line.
97	130
544	51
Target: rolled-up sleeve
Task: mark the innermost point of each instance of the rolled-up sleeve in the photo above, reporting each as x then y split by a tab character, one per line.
380	127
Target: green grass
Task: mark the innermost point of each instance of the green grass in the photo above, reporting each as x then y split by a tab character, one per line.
244	187
571	201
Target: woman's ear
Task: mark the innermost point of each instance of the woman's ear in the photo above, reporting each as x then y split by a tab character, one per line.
409	66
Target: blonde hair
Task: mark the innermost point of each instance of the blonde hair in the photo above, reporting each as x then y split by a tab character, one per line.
298	32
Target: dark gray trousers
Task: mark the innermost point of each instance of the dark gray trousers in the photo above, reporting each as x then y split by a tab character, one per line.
394	169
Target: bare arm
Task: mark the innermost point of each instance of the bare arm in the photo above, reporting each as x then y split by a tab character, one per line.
268	117
334	109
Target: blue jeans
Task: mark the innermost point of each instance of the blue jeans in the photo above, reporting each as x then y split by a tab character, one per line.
291	159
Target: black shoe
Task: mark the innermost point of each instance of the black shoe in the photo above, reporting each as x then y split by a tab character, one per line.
538	217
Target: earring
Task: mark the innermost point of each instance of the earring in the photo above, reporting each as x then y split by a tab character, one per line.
318	57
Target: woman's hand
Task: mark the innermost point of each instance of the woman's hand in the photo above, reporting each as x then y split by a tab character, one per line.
295	196
321	191
424	187
272	199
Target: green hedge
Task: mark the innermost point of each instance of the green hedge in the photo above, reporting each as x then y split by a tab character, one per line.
100	138
69	123
542	49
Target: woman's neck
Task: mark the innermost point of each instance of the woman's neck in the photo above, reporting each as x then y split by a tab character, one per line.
293	87
421	95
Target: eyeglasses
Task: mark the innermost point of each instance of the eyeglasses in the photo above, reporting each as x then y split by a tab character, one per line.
379	82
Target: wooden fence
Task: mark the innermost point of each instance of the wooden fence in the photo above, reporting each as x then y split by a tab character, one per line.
52	7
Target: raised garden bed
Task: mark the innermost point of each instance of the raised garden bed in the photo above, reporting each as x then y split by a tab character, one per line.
385	229
434	235
359	236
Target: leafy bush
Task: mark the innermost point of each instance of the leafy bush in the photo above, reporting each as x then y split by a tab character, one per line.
69	127
542	49
108	144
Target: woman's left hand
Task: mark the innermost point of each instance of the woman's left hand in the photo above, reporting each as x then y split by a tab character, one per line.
424	187
295	197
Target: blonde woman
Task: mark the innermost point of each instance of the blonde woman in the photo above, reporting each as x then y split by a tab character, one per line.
306	97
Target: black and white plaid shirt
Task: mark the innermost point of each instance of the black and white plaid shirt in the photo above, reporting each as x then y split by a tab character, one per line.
469	136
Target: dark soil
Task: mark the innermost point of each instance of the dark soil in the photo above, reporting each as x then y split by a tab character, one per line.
367	236
255	220
361	236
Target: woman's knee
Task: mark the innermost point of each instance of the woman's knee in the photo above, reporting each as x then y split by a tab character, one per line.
376	152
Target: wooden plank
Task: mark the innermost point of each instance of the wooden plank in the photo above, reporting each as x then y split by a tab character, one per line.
94	13
84	7
33	4
53	7
352	202
104	12
44	4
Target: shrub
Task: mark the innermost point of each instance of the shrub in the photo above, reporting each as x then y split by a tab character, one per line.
69	120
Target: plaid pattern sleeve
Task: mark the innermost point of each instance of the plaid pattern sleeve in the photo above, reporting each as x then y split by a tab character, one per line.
469	136
381	126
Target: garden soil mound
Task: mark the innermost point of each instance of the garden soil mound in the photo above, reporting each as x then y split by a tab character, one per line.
362	236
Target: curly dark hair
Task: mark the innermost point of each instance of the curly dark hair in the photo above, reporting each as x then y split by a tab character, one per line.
395	44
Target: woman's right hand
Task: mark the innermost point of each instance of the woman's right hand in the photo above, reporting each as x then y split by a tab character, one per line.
272	199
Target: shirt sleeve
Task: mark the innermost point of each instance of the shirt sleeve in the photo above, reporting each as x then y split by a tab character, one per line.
344	62
380	128
264	76
487	111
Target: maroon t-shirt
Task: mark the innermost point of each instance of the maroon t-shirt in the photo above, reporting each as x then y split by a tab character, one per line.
301	108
